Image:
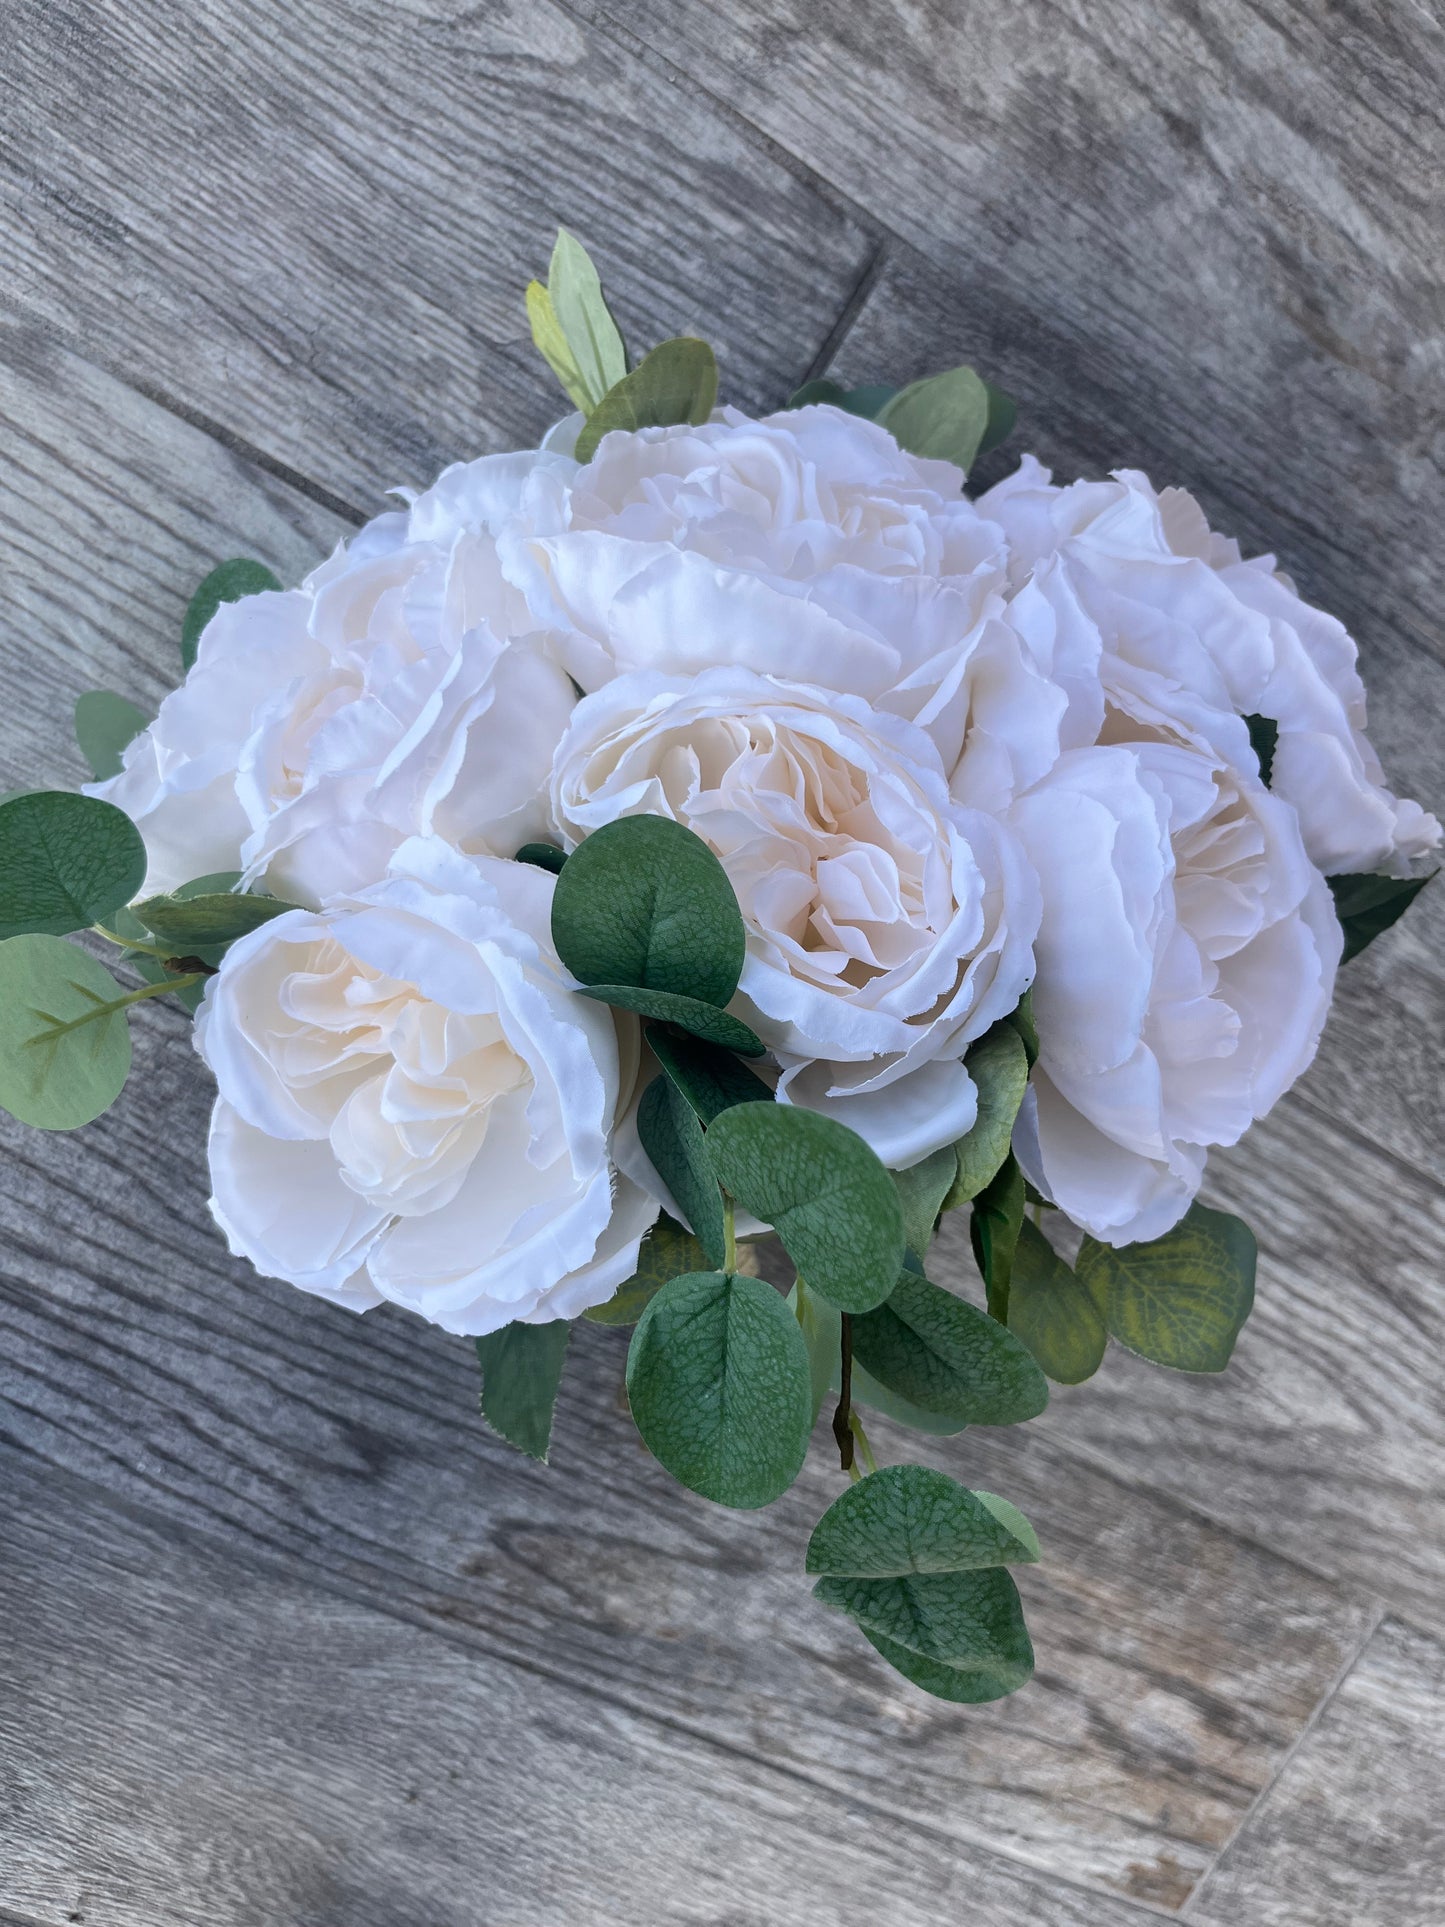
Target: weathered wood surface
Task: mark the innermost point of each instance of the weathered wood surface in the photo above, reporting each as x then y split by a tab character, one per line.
264	1574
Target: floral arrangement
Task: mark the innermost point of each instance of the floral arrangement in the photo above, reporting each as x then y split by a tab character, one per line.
700	829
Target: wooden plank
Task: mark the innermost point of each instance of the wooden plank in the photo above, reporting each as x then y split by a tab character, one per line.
1230	217
193	1741
314	229
1352	1834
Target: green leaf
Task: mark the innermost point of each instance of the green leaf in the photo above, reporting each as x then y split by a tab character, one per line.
1367	905
824	1192
65	862
1263	740
105	724
643	901
543	856
998	1215
204	920
915	1559
227	582
948	1357
54	1078
551	344
910	1519
943	418
574	289
1021	1017
999	1067
667	1253
822	1327
676	383
712	1080
673	1139
1180	1300
1052	1312
521	1370
921	1190
1002	414
706	1021
866	401
718	1380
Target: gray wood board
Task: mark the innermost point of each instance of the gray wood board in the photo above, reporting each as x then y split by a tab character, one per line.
1226	223
188	1739
314	230
1369	1782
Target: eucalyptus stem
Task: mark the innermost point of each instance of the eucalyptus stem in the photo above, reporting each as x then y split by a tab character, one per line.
843	1417
123	1003
133	943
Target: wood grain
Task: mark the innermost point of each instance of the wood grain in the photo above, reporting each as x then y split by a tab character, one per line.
1373	1770
189	1739
314	229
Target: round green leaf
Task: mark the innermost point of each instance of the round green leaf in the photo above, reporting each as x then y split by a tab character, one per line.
714	1026
673	1139
712	1080
980	1617
911	1519
65	862
822	1330
676	383
944	417
999	1067
824	1192
542	856
645	902
947	1356
194	922
53	1077
227	582
105	724
993	1230
1180	1300
1052	1312
717	1376
921	1190
668	1251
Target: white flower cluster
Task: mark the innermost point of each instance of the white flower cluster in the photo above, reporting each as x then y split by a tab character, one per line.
945	750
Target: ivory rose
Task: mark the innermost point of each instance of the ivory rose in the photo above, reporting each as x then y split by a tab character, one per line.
1127	597
402	689
887	925
1186	959
807	545
415	1106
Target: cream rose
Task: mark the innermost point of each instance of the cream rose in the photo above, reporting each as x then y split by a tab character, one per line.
807	545
415	1106
1127	597
401	690
887	925
1186	959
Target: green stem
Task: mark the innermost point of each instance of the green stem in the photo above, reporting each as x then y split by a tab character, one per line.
120	1003
160	950
730	1236
843	1417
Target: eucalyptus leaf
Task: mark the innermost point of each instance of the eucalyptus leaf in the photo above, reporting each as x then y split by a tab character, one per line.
676	383
521	1370
1002	415
921	1190
593	338
551	343
673	1139
999	1067
1180	1300
668	1252
909	1519
207	920
645	902
105	724
66	862
1053	1312
975	1618
1263	740
1021	1017
948	1357
711	1079
1013	1522
54	1077
706	1021
998	1216
824	1192
1367	905
227	582
719	1384
943	418
542	856
822	1327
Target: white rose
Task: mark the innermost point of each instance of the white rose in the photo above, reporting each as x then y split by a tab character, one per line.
1185	964
1118	585
806	545
414	1104
401	690
887	926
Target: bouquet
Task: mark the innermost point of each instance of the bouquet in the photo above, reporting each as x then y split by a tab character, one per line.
700	833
